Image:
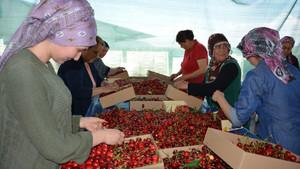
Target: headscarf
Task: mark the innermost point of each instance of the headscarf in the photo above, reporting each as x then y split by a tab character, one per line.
288	39
62	22
215	66
264	42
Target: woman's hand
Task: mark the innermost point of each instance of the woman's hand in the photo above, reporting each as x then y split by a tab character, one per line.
181	78
181	84
173	76
120	69
91	123
217	95
115	84
104	83
108	136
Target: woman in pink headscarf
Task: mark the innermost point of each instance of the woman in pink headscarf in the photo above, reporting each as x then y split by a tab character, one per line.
271	90
287	47
37	128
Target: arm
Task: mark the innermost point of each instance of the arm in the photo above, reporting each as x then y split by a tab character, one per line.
114	71
227	74
219	97
202	69
173	76
100	134
108	136
249	99
75	80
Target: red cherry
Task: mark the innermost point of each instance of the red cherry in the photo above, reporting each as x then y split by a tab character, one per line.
155	157
279	147
293	158
89	167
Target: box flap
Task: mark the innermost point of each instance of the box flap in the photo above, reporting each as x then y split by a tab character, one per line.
142	105
152	75
117	97
121	75
223	148
176	94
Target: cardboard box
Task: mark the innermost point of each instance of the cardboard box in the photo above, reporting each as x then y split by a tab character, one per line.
153	75
176	94
224	145
121	75
160	164
170	105
117	97
226	125
141	105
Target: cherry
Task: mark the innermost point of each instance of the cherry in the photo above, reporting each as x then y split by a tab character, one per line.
104	124
293	158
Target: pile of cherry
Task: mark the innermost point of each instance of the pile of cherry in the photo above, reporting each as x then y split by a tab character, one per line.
267	149
194	158
176	129
145	86
142	87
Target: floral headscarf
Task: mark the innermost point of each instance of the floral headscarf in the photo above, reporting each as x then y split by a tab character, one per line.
63	22
288	39
264	42
214	66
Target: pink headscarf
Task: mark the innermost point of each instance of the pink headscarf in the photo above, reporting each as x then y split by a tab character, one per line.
63	22
288	39
265	42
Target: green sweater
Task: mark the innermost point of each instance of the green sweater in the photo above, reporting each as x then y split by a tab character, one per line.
36	126
232	92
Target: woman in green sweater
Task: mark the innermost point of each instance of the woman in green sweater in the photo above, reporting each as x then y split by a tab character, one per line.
36	126
223	73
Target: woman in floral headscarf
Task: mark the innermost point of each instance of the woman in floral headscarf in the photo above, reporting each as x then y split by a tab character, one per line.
37	129
223	73
271	90
287	47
